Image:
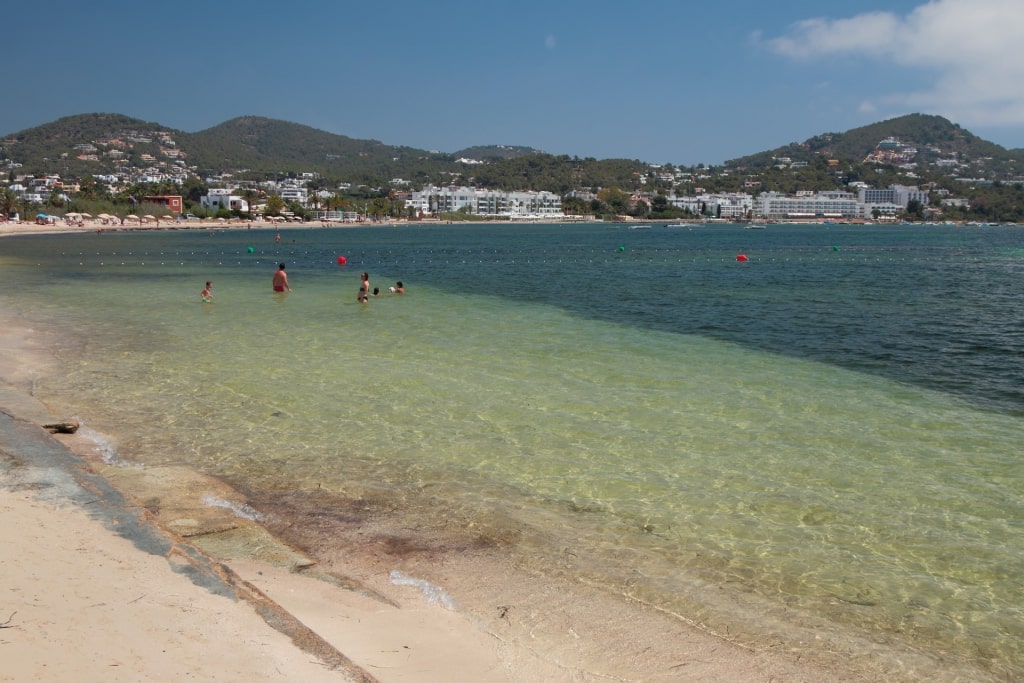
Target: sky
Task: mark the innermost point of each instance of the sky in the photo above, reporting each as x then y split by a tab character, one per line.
662	81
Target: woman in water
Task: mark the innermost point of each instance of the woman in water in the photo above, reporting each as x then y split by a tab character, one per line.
364	289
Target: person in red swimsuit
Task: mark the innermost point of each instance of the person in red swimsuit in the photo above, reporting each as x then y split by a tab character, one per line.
280	281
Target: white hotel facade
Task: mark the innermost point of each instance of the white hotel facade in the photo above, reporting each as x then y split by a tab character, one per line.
804	205
490	203
808	205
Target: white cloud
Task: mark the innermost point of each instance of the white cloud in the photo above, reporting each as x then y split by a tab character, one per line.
969	53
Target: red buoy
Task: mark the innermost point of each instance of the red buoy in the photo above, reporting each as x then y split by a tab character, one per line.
741	257
342	260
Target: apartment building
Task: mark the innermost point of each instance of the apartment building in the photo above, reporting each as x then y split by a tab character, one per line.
807	206
729	205
481	202
894	194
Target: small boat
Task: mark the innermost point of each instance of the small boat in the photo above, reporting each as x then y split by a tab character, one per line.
756	226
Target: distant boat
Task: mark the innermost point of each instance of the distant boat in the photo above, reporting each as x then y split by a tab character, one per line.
756	226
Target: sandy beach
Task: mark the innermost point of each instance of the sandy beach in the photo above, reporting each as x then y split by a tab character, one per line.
97	225
101	584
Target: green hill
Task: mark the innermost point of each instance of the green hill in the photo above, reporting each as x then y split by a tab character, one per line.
934	137
54	147
269	145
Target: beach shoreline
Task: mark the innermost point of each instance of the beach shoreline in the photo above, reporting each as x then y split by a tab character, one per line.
94	225
541	629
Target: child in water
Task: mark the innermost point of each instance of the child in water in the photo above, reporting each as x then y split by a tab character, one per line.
207	293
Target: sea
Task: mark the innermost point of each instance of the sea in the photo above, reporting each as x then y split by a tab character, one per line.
824	422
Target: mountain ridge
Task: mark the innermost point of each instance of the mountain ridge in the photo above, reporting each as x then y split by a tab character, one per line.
88	143
245	140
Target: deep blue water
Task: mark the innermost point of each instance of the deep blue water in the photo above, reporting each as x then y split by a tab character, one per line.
937	306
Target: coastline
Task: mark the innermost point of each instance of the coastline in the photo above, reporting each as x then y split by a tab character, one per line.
94	225
541	630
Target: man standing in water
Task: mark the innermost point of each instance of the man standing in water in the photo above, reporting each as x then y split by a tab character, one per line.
280	280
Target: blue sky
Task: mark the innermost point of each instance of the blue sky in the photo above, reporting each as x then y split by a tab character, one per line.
657	80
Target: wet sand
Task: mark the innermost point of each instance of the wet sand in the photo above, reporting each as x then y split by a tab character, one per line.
132	573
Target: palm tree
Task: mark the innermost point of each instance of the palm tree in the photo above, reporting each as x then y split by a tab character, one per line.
8	202
391	203
274	204
250	195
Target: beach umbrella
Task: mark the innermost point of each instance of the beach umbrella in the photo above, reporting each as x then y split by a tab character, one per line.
85	215
131	217
152	218
72	215
168	217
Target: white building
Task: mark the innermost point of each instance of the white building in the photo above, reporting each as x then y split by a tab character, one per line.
807	206
219	198
901	195
480	202
730	205
880	210
295	194
337	216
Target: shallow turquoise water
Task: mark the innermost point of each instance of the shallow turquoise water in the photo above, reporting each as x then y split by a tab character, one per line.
832	428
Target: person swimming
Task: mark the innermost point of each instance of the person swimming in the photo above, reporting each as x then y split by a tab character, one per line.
207	293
